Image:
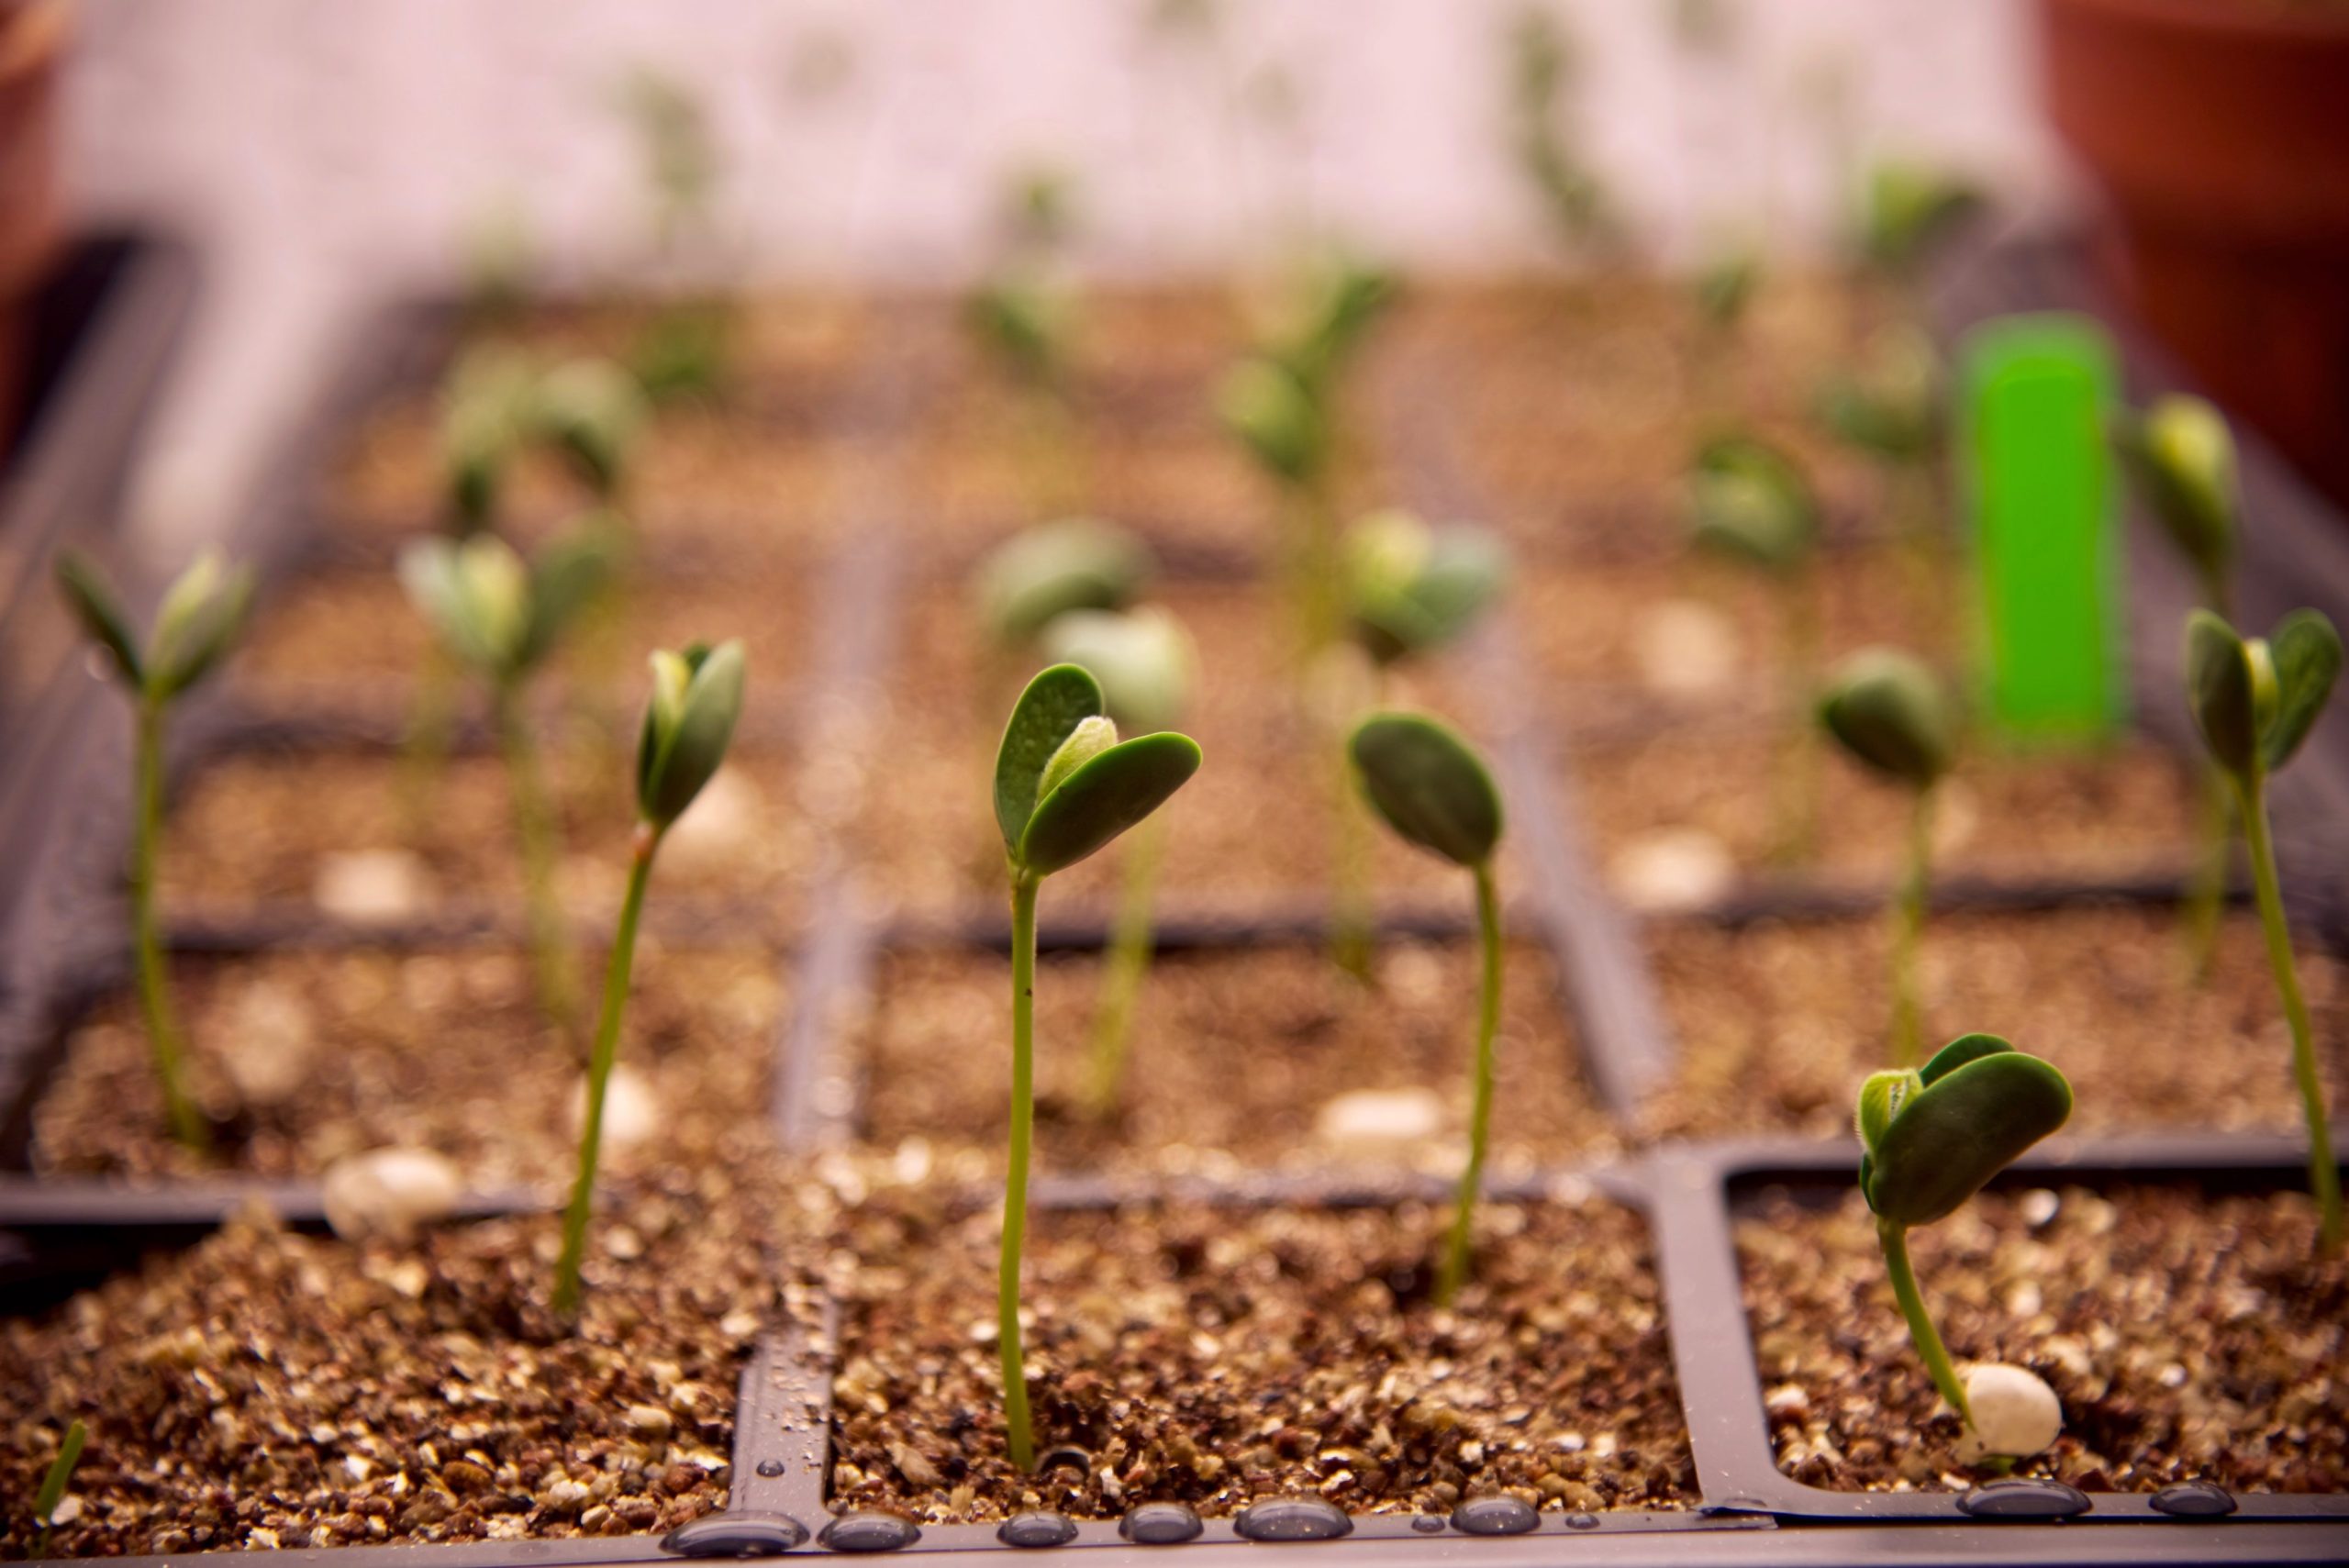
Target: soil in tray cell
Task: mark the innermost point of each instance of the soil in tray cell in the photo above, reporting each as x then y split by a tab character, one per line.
266	1389
303	1057
1256	824
1218	1357
2188	1336
1778	1022
354	834
1685	815
1258	1057
340	640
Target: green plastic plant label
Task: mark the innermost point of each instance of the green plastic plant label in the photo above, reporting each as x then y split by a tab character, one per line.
2036	392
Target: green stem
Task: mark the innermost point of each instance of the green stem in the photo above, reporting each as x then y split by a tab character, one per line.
1907	928
1350	923
1894	1239
1015	1192
2206	896
163	1033
1131	941
1798	770
426	745
599	1072
2324	1177
534	833
1480	1115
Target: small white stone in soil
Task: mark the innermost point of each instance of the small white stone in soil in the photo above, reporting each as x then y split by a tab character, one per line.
2016	1414
631	1110
1673	869
270	1046
1683	648
1373	1121
723	820
389	1192
372	886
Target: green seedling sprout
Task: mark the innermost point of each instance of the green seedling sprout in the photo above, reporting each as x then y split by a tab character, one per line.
1042	572
1751	502
486	418
500	618
1025	316
2180	457
1894	716
1932	1138
1432	789
1147	665
1543	82
60	1475
688	723
1908	211
680	156
591	411
1890	410
197	621
1065	787
2254	701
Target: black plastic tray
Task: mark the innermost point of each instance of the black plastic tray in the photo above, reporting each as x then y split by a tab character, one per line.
780	1443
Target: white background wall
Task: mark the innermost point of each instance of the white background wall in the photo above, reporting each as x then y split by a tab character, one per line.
323	151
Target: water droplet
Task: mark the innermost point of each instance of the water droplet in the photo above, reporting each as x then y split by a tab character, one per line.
1501	1515
1293	1518
869	1532
735	1535
1582	1521
2194	1500
1041	1528
1427	1524
1160	1524
771	1468
2024	1498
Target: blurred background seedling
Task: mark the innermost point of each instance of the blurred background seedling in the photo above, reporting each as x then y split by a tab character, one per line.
198	621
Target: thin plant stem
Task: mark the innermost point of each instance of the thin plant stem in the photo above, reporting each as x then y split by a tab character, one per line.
1480	1114
1894	1239
2205	896
1131	941
1908	929
1349	933
1015	1192
599	1072
425	746
551	952
53	1483
2324	1177
162	1033
1798	764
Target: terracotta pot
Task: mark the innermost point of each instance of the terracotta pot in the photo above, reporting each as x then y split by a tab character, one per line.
32	38
2218	131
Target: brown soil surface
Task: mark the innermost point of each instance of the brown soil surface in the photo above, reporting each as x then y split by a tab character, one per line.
2188	1337
256	827
1777	1023
265	1389
306	1057
345	639
1584	402
2019	817
1254	825
1218	1358
1232	1057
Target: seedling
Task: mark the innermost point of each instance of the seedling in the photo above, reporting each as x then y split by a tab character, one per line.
2180	456
1932	1138
1147	665
60	1475
2255	700
1752	503
1542	79
1433	790
680	156
484	420
198	619
501	618
591	411
1411	588
1906	212
1025	316
1895	716
688	723
1043	573
1065	787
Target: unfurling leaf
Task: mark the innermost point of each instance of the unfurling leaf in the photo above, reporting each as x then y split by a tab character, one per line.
1271	412
1055	702
1429	785
1084	807
93	602
1981	1104
1411	587
688	724
591	410
2181	457
1749	500
2305	652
